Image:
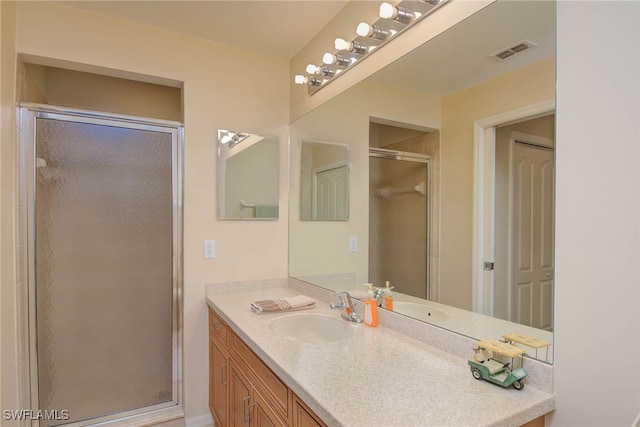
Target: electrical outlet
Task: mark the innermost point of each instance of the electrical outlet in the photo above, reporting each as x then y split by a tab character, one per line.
353	244
209	249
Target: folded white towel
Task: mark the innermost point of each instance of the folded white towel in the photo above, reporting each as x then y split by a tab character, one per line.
299	302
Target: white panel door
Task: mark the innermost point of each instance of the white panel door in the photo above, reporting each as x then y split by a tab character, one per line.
534	187
331	195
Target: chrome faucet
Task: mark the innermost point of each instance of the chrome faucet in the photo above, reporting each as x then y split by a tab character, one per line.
345	304
377	295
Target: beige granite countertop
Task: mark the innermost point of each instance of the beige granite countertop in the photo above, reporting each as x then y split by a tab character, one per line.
378	376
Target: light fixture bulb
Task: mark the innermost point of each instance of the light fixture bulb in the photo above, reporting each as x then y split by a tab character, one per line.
398	14
387	11
338	60
301	80
342	44
311	69
353	47
329	58
364	30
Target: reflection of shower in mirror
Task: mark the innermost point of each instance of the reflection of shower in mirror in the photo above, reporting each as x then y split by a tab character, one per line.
387	192
47	173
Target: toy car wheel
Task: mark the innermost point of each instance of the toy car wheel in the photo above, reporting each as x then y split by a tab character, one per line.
476	373
518	385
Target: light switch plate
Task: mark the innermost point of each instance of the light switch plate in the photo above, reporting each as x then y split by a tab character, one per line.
353	244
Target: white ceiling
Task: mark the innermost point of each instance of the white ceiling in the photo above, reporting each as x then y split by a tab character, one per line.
456	59
280	28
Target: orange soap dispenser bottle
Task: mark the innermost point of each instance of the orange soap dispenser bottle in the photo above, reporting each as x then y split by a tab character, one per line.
370	308
388	297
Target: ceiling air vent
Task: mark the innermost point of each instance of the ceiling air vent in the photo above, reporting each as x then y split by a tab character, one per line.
510	51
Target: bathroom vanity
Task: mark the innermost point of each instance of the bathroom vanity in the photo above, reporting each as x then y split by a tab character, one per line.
243	390
260	375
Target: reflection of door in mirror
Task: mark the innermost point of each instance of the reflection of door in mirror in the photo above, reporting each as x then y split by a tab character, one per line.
400	194
324	181
330	192
525	177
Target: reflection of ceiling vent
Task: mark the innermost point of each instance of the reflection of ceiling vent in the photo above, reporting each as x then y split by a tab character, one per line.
510	51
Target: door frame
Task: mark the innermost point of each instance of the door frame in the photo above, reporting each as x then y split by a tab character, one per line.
29	112
483	235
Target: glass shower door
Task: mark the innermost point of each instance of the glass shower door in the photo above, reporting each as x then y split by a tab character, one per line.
399	223
106	239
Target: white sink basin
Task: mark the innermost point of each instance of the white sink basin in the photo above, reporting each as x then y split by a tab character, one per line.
311	328
420	311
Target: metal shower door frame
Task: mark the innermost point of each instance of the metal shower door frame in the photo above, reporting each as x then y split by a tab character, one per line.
29	113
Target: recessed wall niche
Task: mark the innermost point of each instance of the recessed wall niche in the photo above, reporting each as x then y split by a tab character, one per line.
98	92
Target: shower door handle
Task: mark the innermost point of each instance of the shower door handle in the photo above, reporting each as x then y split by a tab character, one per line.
222	381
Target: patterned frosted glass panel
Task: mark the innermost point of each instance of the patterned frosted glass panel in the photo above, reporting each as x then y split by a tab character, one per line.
103	268
398	225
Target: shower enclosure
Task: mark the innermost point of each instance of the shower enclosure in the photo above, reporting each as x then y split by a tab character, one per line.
103	220
399	206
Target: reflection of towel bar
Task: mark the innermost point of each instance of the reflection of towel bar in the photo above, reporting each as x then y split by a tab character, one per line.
388	191
244	204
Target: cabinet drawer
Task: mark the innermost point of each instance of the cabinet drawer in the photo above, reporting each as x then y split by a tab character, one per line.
268	383
218	327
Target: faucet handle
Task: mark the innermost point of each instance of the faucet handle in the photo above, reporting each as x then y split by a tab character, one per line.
347	307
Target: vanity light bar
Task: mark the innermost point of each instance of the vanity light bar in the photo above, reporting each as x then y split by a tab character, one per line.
393	20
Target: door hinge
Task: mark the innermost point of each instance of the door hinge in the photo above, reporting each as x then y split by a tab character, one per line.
488	266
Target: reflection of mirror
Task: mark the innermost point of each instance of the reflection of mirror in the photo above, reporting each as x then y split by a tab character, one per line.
324	181
247	176
472	104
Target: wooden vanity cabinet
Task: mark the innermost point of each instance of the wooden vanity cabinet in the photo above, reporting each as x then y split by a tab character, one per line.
243	391
218	369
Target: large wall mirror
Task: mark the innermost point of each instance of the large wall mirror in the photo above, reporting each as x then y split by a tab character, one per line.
248	176
452	145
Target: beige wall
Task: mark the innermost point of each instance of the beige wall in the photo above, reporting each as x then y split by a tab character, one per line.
598	213
215	78
460	110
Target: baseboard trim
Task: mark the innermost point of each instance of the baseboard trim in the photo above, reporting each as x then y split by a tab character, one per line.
205	420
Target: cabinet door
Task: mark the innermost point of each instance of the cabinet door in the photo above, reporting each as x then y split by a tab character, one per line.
240	396
263	414
218	383
303	416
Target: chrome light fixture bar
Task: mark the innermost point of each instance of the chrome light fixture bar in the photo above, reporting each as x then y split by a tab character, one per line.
394	19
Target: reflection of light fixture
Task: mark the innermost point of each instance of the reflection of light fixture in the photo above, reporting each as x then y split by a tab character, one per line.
366	30
400	14
230	138
322	71
353	47
307	80
339	60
